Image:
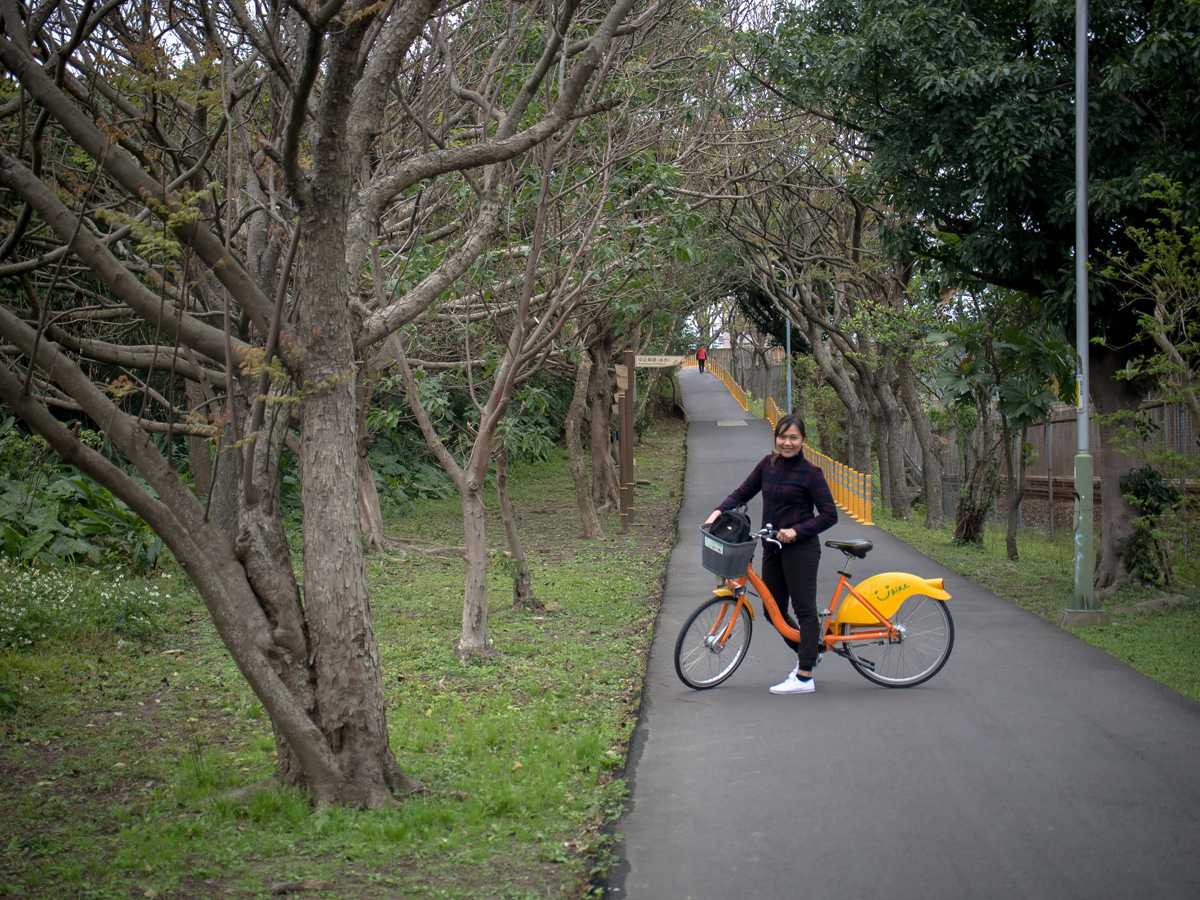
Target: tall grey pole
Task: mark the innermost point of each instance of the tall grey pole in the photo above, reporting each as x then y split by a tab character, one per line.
1085	556
787	335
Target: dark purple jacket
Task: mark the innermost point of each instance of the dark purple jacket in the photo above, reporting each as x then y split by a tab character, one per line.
794	492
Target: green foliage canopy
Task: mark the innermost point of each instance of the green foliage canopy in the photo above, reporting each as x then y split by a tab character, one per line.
967	109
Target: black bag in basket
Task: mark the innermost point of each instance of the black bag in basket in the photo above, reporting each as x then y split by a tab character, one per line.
732	527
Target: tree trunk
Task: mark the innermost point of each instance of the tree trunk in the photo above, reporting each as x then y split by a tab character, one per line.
474	640
1016	493
858	443
200	457
370	513
369	510
345	657
1010	478
800	391
893	415
884	456
979	491
931	455
216	471
974	504
262	548
648	397
858	429
579	470
605	487
523	597
1116	525
222	503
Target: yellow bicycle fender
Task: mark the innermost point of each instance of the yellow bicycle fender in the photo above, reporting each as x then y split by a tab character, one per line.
728	592
886	591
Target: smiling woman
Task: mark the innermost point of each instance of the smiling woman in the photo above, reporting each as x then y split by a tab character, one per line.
796	501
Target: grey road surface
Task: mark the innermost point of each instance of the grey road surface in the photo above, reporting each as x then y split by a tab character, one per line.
1032	766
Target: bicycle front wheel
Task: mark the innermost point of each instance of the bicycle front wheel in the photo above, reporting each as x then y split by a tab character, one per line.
926	639
712	643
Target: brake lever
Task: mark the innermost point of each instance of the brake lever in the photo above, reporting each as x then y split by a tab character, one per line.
771	540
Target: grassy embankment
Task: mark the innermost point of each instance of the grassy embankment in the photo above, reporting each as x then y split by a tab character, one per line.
122	750
1163	643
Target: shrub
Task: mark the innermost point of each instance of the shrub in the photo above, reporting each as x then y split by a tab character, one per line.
39	604
1151	495
52	514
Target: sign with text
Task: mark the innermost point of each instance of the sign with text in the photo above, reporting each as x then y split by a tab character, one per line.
657	362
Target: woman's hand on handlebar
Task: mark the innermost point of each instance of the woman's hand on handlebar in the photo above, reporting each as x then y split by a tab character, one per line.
786	535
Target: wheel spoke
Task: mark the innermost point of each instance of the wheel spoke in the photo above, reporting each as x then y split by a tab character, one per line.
926	638
702	662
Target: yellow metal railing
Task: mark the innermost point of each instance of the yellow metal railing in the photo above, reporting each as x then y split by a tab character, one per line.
851	488
771	412
726	379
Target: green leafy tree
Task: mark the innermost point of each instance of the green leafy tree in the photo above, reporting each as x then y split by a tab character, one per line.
966	110
1162	276
1006	369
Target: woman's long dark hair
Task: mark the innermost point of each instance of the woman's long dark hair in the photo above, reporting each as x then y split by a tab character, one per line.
791	420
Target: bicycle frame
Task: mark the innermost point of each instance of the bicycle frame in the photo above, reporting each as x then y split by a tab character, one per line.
849	606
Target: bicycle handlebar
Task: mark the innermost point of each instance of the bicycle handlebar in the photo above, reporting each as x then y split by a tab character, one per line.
769	534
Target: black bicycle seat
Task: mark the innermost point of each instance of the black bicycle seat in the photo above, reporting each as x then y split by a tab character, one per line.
854	548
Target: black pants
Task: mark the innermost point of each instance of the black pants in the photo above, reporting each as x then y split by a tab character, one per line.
700	363
792	572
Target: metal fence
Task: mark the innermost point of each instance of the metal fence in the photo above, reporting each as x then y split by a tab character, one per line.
851	489
1171	427
1049	476
761	374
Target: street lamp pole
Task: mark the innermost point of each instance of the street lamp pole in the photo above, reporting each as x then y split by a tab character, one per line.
1085	557
787	340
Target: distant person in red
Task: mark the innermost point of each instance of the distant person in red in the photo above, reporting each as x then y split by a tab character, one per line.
701	356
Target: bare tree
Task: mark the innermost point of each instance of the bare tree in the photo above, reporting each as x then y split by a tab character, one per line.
229	216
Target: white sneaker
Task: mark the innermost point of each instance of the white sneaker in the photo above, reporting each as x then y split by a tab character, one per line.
793	685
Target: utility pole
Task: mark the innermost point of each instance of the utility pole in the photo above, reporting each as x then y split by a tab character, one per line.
787	340
1085	554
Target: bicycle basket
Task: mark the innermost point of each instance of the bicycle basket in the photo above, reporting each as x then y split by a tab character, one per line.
725	559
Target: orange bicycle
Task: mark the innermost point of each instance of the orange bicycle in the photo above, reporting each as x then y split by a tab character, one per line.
894	628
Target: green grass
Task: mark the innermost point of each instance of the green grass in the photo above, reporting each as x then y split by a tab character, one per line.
39	603
128	763
1161	643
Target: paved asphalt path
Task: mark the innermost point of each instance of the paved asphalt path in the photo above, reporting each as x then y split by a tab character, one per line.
1031	766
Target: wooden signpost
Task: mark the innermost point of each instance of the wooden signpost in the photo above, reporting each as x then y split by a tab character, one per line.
624	410
626	398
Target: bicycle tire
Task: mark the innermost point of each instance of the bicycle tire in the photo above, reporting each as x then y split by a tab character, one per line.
928	640
694	651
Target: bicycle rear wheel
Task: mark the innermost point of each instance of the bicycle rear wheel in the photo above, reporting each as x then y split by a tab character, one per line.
927	637
708	650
